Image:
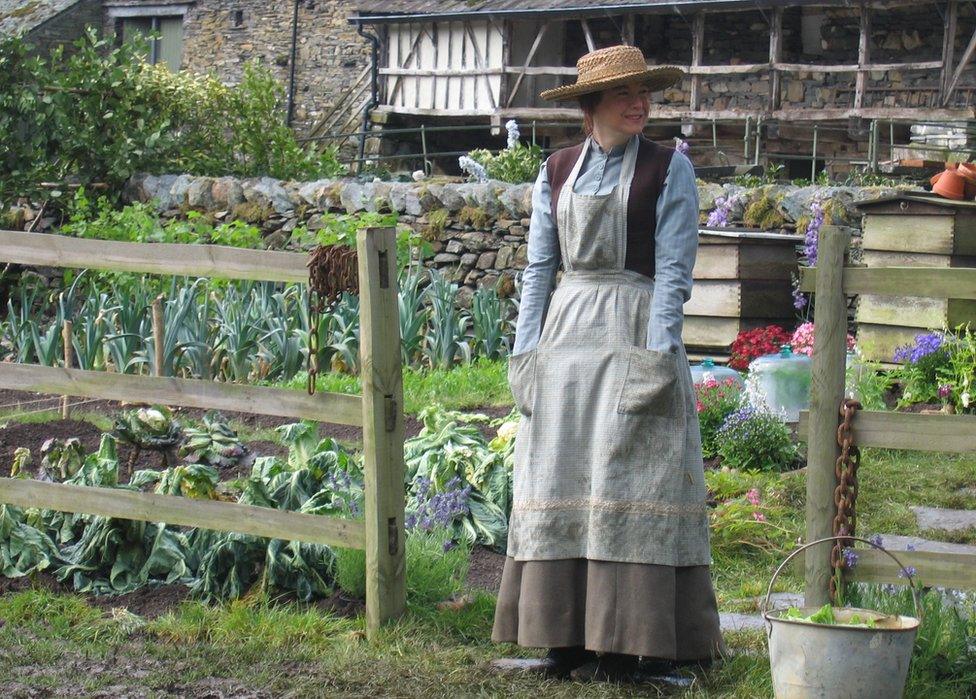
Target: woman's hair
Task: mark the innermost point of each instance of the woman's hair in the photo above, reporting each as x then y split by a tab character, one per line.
588	103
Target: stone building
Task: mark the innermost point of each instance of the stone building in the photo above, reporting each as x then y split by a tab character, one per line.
805	84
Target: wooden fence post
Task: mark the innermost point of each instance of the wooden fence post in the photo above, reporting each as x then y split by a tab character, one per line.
382	381
68	354
826	393
159	334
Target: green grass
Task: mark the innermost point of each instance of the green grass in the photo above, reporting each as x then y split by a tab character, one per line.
60	642
483	382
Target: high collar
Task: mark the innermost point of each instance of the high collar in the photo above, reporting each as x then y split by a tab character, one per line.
617	150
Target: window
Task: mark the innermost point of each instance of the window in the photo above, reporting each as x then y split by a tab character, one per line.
167	47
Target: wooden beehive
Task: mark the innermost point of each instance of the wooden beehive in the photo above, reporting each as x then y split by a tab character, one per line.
742	281
913	230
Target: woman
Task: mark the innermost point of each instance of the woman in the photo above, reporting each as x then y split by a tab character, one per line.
608	548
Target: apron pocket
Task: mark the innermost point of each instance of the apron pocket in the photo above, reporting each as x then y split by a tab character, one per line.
521	380
651	384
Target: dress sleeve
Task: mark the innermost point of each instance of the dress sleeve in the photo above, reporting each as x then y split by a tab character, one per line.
539	277
676	245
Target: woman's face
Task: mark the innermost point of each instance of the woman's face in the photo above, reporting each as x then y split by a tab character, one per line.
623	109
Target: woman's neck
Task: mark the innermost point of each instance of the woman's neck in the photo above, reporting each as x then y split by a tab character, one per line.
607	139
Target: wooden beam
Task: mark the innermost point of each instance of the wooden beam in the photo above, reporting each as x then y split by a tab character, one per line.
775	55
480	63
528	59
627	30
948	46
826	393
863	55
967	56
186	512
588	35
383	426
852	68
956	571
219	261
340	408
909	431
956	283
697	53
406	60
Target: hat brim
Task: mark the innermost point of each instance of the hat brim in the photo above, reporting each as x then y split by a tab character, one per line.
656	78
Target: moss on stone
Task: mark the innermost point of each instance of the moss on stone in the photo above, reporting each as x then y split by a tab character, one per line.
474	216
251	212
436	223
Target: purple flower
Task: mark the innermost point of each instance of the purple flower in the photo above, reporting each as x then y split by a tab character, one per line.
812	234
449	545
850	558
876	540
799	299
719	216
908	572
909	547
681	146
945	390
925	344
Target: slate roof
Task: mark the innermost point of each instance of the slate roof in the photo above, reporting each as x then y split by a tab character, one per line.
21	16
365	10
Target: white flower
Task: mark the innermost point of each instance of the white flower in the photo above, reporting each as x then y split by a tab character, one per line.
473	168
513	133
418	175
965	399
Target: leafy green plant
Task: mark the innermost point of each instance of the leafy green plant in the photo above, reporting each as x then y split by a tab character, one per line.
518	164
491	325
447	329
214	444
755	439
715	401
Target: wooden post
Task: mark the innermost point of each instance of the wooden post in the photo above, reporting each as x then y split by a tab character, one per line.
826	393
697	52
68	360
159	333
775	56
382	381
948	47
863	56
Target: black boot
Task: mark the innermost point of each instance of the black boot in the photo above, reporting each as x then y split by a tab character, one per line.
560	662
608	667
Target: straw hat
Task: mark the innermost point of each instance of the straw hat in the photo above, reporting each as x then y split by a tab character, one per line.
612	66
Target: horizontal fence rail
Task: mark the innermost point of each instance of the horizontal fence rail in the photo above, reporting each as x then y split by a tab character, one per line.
833	283
176	510
910	431
179	259
934	568
379	411
954	283
339	408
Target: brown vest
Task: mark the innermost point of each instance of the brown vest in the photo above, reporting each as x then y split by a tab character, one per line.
650	171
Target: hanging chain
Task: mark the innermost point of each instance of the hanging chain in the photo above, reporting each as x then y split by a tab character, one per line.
845	494
332	269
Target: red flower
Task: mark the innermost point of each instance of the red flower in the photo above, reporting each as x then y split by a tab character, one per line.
749	344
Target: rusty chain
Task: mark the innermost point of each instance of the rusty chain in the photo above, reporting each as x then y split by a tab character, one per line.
332	269
845	494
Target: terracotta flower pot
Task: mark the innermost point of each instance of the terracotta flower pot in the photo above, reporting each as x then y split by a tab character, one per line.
968	173
949	183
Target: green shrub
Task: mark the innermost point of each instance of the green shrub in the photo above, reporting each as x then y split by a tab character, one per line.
755	439
101	114
518	164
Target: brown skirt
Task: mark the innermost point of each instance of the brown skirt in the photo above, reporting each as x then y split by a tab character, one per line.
655	611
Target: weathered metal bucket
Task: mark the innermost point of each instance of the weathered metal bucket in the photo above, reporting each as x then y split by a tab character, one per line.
840	662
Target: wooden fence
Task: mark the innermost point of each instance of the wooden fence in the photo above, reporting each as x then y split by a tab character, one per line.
832	282
379	411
